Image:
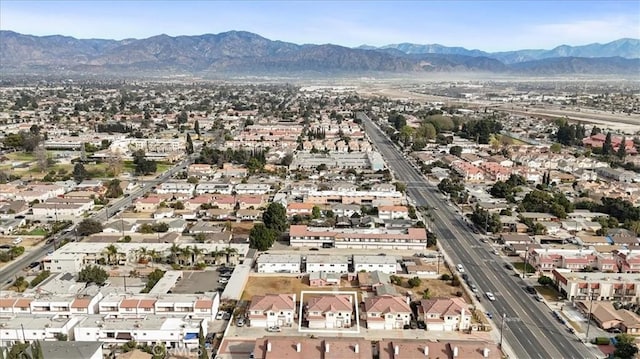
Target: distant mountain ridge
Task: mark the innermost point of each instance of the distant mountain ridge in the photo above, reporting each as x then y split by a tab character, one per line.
625	48
240	52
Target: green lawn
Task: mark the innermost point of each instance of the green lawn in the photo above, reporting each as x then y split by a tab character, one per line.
21	156
520	266
549	294
38	232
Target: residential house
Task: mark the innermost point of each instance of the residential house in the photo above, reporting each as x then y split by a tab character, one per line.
324	279
330	311
628	261
414	349
250	201
297	347
445	314
147	204
387	312
393	212
248	214
301	209
371	280
272	310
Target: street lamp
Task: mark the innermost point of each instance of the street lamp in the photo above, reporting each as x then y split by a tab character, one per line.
504	315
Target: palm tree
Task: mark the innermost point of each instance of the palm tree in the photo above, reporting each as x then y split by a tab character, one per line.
195	254
154	255
111	251
229	252
142	254
215	255
175	251
185	254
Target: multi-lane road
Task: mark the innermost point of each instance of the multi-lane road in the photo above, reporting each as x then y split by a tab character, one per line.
14	269
528	328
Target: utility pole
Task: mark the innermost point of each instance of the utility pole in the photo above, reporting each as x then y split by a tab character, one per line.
525	262
504	315
589	316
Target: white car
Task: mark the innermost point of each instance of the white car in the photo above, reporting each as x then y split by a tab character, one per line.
460	268
490	296
17	241
473	288
220	316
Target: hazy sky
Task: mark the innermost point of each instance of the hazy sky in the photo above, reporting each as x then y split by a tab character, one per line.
485	25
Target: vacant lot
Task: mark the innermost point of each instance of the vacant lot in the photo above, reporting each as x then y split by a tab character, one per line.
280	285
258	285
27	241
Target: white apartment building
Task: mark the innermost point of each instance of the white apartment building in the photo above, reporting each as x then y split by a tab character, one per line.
252	188
327	263
173	332
202	306
279	263
621	287
25	327
385	264
176	187
358	238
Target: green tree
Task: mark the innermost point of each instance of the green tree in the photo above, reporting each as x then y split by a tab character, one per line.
196	128
202	352
545	281
607	146
79	173
414	282
625	347
261	237
315	212
93	274
275	218
88	227
455	150
622	149
555	148
113	189
189	144
153	279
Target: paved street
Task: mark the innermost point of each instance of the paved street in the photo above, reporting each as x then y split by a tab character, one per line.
13	269
529	329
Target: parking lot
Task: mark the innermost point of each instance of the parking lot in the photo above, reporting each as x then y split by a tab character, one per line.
196	281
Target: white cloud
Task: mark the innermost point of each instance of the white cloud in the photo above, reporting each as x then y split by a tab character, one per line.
588	30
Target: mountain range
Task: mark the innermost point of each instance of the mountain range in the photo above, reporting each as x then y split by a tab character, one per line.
239	52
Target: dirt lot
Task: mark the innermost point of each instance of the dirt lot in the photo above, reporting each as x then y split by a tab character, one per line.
27	241
277	285
257	285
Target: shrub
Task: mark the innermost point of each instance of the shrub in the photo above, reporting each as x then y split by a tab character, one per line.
445	277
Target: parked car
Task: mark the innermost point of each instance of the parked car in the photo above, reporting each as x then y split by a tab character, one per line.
539	298
508	266
489	315
473	288
530	289
274	329
465	277
220	316
421	325
240	322
490	296
460	268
